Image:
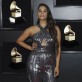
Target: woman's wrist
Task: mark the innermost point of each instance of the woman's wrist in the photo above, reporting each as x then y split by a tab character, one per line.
57	66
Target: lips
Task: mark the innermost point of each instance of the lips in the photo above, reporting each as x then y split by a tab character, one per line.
42	16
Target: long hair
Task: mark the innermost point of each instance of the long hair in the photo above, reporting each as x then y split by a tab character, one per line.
50	23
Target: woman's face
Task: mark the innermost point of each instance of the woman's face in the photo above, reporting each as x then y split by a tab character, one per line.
42	13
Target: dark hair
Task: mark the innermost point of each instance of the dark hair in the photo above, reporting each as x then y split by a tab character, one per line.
50	23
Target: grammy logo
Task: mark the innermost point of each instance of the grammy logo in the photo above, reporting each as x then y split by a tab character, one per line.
16	56
69	33
16	14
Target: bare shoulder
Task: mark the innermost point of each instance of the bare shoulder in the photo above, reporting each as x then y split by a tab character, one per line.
57	28
30	28
58	33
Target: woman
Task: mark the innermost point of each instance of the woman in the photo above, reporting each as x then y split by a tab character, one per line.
44	59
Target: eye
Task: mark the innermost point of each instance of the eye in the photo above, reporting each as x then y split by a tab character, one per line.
45	11
42	11
39	11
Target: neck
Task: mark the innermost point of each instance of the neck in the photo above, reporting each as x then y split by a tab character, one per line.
43	23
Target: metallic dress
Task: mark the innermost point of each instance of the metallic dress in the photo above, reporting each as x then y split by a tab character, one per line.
41	61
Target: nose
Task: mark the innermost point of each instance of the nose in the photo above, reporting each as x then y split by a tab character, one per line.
42	12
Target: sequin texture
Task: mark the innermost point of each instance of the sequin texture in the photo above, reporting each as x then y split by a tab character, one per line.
41	61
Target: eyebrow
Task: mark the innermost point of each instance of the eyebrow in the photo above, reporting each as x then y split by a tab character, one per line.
44	9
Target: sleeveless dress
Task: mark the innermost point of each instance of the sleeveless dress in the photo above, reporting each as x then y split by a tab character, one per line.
41	61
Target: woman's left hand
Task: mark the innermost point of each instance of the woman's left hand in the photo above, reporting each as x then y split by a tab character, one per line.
56	71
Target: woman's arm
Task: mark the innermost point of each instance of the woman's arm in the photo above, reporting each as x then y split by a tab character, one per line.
27	32
59	47
58	54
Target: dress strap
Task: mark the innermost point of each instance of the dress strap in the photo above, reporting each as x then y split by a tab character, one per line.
42	28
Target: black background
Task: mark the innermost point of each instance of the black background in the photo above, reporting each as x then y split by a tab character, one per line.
68	2
25	6
76	26
7	66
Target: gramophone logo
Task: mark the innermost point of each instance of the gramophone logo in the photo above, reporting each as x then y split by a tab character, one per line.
16	14
16	56
69	34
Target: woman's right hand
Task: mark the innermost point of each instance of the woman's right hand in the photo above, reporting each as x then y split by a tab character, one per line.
34	45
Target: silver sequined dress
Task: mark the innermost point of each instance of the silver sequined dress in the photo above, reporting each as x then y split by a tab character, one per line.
41	61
